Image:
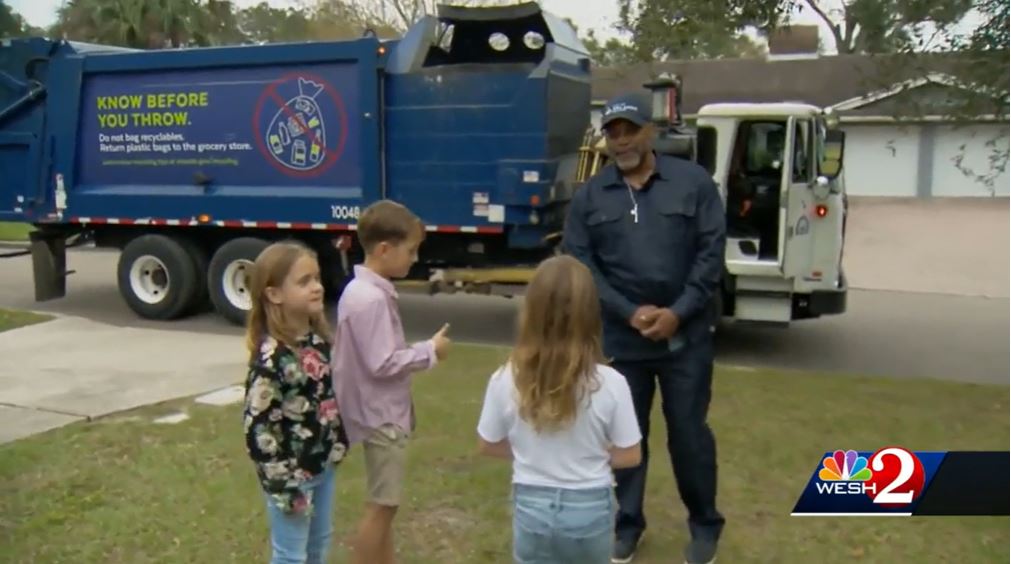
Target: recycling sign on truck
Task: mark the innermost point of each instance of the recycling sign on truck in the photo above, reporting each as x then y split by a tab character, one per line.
242	127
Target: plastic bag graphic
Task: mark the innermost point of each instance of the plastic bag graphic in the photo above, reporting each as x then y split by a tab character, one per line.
297	135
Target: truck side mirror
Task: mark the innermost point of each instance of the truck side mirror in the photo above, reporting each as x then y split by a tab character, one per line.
832	154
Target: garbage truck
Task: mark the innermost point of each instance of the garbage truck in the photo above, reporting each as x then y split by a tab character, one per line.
191	161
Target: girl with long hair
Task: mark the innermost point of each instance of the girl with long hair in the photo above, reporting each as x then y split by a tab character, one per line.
293	431
564	418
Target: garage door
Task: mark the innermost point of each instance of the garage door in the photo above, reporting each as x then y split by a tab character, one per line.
966	147
881	160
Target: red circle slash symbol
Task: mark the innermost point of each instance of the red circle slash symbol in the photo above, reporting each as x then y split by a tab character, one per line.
295	142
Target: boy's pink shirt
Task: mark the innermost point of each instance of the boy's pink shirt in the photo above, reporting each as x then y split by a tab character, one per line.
371	361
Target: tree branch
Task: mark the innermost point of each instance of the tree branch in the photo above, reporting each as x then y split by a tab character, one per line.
840	46
406	16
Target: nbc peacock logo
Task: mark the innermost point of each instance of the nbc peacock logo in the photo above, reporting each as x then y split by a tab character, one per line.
845	473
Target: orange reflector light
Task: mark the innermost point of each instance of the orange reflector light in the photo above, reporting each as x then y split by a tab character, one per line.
204	218
535	200
821	210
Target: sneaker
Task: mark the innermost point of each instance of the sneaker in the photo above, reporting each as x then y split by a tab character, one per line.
700	551
624	549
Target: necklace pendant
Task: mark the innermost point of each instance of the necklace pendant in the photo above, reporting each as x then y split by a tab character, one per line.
635	213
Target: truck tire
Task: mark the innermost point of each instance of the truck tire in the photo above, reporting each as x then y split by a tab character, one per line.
201	262
157	277
228	275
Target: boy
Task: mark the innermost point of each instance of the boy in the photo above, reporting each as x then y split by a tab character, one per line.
372	367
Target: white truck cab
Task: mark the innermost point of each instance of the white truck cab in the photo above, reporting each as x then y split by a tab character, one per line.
779	169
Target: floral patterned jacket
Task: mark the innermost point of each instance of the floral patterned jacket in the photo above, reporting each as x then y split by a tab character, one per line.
292	427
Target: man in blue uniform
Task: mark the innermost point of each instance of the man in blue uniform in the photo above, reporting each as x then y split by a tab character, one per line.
652	230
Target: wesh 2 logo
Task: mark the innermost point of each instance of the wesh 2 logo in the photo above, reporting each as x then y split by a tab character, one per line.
892	477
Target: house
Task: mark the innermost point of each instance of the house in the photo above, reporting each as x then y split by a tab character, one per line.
898	142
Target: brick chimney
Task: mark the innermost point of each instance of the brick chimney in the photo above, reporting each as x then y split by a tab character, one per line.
794	42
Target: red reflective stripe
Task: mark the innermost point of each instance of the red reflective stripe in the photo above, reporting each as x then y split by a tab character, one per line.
236	223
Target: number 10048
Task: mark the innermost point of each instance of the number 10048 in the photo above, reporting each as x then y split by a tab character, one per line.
345	212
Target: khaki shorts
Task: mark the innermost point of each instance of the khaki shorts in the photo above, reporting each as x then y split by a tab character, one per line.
386	464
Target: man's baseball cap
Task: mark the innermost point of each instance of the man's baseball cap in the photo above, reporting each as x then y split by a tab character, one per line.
633	107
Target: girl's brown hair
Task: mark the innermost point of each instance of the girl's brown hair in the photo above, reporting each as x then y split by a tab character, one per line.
265	318
558	345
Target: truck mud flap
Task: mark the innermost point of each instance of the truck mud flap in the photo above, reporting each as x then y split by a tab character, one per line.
49	264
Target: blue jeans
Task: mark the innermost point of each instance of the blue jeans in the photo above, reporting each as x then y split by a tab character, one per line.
561	526
301	539
685	381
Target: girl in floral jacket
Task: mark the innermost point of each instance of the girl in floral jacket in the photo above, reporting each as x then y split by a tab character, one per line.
293	432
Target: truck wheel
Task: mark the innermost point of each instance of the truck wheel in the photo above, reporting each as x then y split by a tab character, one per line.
228	276
201	262
157	277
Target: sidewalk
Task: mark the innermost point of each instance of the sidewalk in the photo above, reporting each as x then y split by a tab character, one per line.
72	369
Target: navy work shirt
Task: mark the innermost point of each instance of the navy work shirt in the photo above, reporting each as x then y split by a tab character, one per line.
673	256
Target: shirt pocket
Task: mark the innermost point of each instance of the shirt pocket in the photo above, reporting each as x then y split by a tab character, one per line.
678	216
604	229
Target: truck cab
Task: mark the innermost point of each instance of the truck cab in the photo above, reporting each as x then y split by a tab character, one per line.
778	168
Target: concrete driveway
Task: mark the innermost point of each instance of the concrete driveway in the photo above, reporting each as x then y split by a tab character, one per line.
73	369
955	246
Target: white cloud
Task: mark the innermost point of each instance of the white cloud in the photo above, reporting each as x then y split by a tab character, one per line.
39	13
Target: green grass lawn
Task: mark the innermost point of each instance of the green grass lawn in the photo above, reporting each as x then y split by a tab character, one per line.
14	231
124	490
10	319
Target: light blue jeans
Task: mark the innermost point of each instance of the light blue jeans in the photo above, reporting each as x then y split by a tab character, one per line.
302	539
562	526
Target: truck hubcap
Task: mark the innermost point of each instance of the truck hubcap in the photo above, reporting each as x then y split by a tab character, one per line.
149	279
234	284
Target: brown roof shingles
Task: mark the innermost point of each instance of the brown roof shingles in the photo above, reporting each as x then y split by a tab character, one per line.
822	81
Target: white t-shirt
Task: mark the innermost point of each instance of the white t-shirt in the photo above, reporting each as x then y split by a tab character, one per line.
574	458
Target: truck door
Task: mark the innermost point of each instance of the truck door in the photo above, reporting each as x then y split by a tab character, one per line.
795	228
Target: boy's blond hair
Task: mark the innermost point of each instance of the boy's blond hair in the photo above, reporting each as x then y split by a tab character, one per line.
387	221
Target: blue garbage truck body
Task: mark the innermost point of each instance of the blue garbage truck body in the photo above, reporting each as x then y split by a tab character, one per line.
192	160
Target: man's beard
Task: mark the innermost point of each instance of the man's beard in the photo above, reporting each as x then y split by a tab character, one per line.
628	161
